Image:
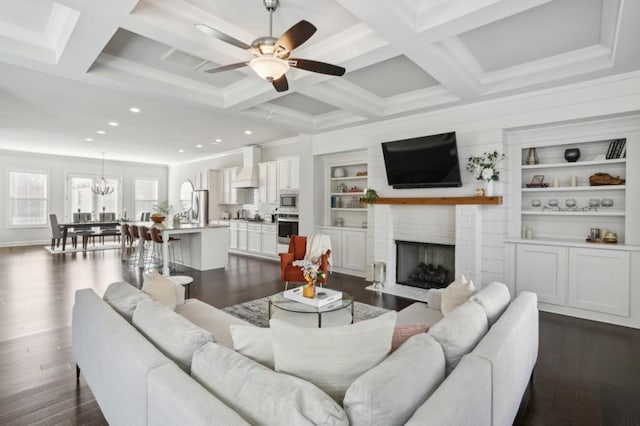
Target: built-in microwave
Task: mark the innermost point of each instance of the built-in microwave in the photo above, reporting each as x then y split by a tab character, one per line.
288	201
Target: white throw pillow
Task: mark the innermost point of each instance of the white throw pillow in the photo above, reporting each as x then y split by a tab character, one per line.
456	294
254	342
124	298
332	358
260	395
494	298
161	289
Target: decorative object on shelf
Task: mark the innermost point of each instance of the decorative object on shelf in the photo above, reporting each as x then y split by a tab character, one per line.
101	187
362	173
573	181
339	222
606	202
341	187
555	182
610	237
537	182
479	192
570	203
599	179
339	172
484	168
617	149
553	202
536	203
594	234
364	225
370	195
532	157
572	154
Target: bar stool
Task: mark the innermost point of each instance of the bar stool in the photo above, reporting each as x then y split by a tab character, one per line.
157	239
145	240
135	236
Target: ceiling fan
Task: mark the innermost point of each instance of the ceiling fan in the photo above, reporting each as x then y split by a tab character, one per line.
272	59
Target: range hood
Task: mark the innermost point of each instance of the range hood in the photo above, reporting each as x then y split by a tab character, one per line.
247	177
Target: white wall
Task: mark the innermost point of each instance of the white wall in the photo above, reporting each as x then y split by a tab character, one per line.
57	167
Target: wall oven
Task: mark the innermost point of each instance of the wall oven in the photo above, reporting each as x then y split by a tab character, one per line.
288	201
287	225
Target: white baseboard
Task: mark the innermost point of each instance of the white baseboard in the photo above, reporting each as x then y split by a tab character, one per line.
25	243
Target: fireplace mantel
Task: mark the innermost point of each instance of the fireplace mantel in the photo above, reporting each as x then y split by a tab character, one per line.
440	200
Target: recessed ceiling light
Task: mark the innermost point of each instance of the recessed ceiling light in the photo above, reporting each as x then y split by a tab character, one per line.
88	139
248	132
134	110
181	150
198	146
101	132
113	124
218	140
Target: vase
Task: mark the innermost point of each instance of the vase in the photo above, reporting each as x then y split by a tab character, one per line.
309	290
488	189
532	156
572	155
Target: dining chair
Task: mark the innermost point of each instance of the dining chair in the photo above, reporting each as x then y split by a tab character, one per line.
57	233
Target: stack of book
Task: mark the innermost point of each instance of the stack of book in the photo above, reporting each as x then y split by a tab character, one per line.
617	149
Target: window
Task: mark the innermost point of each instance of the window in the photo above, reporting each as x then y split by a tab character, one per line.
82	199
27	199
146	195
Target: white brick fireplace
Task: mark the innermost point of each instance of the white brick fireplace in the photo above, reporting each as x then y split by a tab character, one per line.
460	225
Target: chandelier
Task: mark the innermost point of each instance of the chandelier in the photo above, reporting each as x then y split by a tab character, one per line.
102	187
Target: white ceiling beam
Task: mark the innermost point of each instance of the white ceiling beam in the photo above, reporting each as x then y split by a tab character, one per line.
346	96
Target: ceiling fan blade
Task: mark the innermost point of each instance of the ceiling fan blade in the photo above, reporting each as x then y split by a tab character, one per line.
226	67
222	36
294	37
281	84
316	66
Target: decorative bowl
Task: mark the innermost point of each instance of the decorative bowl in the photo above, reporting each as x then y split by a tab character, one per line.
572	155
158	218
339	172
570	202
606	202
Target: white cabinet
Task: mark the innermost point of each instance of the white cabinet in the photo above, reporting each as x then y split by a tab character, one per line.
228	194
269	240
254	238
599	280
233	235
288	173
243	243
542	270
348	249
268	182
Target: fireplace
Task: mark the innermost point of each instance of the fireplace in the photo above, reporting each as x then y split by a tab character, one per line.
424	265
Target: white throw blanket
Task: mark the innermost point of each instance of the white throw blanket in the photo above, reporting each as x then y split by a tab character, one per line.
317	245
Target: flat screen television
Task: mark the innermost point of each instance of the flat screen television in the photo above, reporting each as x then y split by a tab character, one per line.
424	162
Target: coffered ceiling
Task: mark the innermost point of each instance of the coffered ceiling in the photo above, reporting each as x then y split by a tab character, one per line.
68	67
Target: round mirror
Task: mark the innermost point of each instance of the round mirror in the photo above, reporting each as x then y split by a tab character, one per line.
186	192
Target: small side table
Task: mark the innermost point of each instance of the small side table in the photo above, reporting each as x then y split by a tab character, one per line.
184	281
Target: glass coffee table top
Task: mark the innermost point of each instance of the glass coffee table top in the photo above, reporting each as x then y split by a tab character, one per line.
281	302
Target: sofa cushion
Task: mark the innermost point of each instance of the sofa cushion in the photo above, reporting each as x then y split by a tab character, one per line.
124	298
332	358
173	334
456	294
460	331
494	298
419	312
392	391
161	289
402	332
260	395
254	342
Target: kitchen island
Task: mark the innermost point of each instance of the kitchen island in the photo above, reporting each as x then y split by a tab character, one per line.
204	247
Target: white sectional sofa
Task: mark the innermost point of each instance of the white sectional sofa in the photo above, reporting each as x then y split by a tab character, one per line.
149	365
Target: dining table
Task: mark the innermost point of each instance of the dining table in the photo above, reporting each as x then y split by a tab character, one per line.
84	226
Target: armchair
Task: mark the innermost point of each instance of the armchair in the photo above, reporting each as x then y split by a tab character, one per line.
297	251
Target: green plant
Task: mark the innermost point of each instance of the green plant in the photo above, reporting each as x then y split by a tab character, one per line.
483	167
163	208
370	195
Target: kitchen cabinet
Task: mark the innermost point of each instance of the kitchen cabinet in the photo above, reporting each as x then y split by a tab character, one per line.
254	237
269	240
268	182
288	171
243	235
228	194
348	249
542	270
233	235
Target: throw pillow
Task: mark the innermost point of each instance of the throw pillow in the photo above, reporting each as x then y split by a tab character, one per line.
332	358
124	298
456	294
161	289
254	342
260	395
402	332
173	334
494	298
460	331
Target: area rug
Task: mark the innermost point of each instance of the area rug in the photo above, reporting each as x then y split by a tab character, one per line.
90	247
256	311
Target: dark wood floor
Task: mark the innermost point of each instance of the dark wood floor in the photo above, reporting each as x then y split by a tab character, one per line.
587	373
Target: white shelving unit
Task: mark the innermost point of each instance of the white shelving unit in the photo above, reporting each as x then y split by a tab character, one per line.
345	193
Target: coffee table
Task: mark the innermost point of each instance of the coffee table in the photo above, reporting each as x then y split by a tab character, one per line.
335	313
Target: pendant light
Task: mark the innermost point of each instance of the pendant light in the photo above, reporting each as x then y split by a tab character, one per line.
102	187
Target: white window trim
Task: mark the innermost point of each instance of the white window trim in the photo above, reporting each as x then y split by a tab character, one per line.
8	208
133	192
67	196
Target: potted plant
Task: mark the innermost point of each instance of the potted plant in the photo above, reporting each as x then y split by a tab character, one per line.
161	211
484	168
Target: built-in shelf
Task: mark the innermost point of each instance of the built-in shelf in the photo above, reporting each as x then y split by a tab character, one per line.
348	193
576	188
348	209
349	177
571	213
440	200
576	164
563	242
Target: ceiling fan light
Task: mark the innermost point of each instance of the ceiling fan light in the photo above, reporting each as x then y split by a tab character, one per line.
269	68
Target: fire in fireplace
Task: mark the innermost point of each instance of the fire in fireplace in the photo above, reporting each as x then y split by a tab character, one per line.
424	265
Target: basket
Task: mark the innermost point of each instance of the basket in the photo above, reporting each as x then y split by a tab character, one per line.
599	179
